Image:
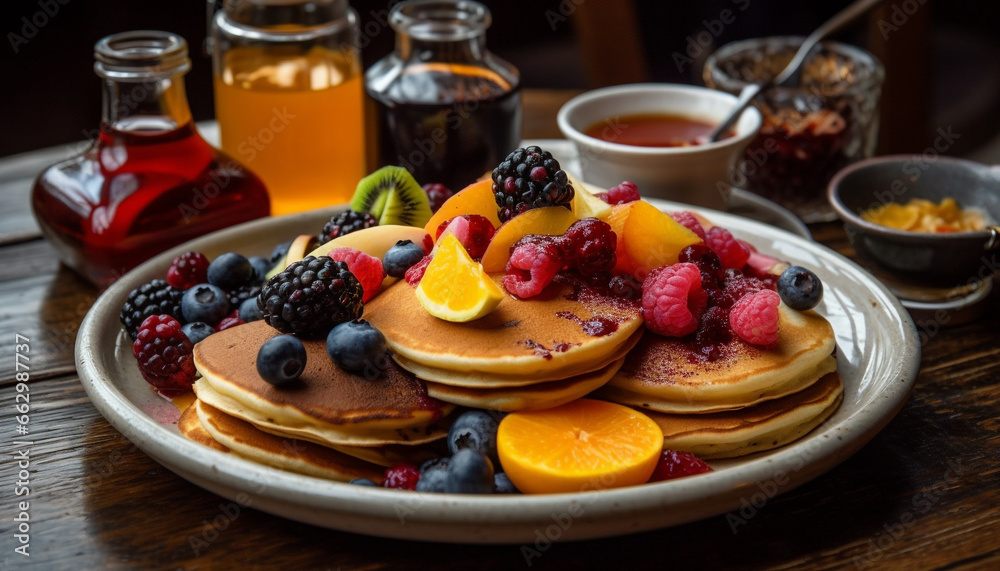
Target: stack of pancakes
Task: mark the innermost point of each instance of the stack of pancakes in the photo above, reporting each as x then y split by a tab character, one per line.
748	400
526	354
330	423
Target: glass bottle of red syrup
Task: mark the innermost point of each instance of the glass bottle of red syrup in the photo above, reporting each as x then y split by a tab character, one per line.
149	181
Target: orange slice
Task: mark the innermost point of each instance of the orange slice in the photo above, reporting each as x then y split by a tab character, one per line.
652	238
455	287
477	198
579	446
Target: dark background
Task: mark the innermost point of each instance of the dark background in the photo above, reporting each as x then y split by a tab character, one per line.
50	95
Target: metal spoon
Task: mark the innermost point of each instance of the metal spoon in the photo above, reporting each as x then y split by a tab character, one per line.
790	75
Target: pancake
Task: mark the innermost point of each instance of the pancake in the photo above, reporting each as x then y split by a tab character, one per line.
542	395
752	429
325	395
541	335
792	385
668	370
392	454
480	380
287	454
191	428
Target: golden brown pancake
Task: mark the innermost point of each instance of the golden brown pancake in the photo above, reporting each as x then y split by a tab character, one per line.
753	429
324	396
540	335
666	370
392	454
542	395
284	453
191	428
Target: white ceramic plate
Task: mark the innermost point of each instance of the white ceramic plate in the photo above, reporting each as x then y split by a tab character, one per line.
878	356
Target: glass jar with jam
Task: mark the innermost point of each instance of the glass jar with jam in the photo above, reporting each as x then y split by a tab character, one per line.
445	108
149	181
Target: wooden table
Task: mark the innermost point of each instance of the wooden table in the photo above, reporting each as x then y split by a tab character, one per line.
925	493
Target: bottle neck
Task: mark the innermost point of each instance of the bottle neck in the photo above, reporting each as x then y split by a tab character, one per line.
152	105
470	50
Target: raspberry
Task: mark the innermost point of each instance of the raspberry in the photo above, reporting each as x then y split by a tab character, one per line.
755	318
713	331
688	220
623	193
163	353
603	196
416	272
672	300
737	286
472	230
708	263
231	320
534	261
188	269
402	476
437	195
590	246
674	464
624	286
732	253
368	269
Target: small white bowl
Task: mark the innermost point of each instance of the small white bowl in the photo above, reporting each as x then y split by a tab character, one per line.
698	175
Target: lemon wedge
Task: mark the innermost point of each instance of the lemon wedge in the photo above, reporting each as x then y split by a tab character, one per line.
455	287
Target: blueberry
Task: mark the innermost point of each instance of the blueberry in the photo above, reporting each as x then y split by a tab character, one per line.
503	485
363	482
197	331
434	464
249	310
799	288
281	360
204	302
474	429
469	472
261	266
400	257
230	271
279	251
357	347
435	480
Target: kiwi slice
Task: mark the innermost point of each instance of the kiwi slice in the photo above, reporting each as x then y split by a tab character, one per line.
392	196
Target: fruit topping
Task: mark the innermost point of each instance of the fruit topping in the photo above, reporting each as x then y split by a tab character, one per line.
358	347
163	354
261	267
579	446
474	429
673	300
454	287
205	302
344	223
687	219
477	198
549	220
472	230
363	482
401	257
503	485
469	472
281	360
311	296
732	253
534	262
238	295
651	239
248	310
188	269
415	273
231	320
197	331
624	286
674	464
529	178
230	271
433	476
708	263
368	269
402	476
713	332
392	196
437	195
590	247
799	288
155	298
623	193
755	318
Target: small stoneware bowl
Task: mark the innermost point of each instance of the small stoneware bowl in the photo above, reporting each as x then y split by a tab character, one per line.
698	175
915	265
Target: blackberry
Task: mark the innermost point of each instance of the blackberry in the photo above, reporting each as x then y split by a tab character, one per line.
529	178
238	295
155	298
346	222
311	296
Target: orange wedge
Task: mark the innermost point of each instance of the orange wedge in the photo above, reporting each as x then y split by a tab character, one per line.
477	198
579	446
455	287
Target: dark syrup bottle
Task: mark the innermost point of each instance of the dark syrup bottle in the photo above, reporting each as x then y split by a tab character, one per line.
444	107
149	181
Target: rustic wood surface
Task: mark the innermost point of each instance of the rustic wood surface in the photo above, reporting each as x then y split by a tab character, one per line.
924	494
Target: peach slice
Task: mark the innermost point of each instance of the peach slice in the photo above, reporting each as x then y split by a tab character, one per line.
585	204
550	220
616	219
376	241
652	238
296	251
477	198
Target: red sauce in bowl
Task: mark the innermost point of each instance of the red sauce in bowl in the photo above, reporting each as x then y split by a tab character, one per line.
653	130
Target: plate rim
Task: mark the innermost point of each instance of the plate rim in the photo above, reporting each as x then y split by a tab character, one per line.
374	511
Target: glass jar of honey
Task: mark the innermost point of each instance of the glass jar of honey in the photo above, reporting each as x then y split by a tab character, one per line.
149	181
288	97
